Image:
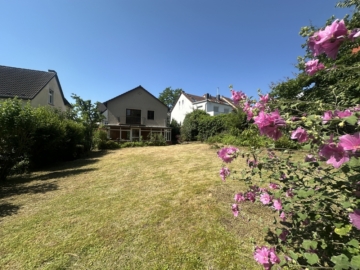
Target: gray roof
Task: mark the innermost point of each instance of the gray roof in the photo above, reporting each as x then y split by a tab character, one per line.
25	83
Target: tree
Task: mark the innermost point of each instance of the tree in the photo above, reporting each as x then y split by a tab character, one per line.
86	113
169	96
336	84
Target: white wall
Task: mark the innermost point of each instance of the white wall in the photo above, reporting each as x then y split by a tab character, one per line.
185	106
221	108
181	108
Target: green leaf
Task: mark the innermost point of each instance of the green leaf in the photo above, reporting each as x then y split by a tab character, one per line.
302	193
354	243
306	147
293	255
323	244
344	230
354	163
346	204
302	216
355	262
352	120
307	244
311	258
341	262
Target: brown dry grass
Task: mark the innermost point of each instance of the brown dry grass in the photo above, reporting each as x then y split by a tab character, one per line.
134	208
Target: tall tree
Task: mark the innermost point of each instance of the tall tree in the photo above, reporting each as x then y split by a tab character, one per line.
169	96
86	113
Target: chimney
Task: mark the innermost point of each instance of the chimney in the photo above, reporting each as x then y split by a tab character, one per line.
207	95
218	97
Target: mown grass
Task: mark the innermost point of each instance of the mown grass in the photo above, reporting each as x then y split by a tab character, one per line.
134	208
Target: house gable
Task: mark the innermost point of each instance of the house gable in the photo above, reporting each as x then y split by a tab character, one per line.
138	100
32	85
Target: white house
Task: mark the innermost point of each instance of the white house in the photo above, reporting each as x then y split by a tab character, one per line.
187	103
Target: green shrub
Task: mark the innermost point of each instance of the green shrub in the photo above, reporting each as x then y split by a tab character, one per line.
109	145
190	127
17	124
56	138
99	139
133	144
175	130
210	126
156	140
236	120
286	143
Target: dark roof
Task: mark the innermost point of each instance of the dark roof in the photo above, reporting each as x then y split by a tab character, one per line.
25	83
213	99
136	88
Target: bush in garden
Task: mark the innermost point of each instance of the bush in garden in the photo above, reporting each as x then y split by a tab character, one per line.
317	198
109	145
190	126
155	140
175	130
16	136
99	139
210	126
56	138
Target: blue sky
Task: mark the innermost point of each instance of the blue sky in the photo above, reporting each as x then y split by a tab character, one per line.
103	48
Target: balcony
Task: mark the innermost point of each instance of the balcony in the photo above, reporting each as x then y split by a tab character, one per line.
138	121
134	120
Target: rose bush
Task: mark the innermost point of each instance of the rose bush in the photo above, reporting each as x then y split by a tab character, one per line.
317	198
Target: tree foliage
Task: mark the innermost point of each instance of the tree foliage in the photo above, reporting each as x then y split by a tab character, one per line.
169	96
86	112
17	127
337	84
33	137
190	126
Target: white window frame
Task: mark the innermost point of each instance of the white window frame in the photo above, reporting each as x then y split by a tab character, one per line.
51	97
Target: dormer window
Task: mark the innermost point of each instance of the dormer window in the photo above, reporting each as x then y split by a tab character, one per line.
51	97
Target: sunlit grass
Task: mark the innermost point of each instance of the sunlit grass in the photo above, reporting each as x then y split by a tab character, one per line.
134	208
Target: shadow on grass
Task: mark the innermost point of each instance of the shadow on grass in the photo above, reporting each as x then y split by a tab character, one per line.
88	159
22	184
8	209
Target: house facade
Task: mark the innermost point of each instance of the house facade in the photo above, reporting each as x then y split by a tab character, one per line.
187	103
41	88
135	115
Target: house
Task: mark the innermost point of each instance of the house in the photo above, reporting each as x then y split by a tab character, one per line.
134	115
186	103
39	87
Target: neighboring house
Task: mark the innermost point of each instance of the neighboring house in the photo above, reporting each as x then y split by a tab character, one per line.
187	103
135	115
39	87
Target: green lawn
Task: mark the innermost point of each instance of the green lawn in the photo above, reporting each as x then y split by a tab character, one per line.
133	208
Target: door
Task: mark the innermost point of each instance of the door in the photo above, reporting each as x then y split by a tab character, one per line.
135	134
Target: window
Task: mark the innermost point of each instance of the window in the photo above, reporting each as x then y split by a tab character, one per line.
51	97
216	109
150	115
199	107
226	110
133	116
